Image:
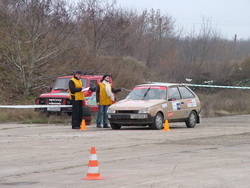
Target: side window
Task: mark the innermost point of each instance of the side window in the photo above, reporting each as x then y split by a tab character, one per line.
92	85
186	93
173	93
84	82
162	94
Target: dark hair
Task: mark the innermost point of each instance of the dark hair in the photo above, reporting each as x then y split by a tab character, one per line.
78	72
104	76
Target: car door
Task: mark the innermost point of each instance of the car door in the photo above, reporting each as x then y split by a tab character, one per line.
188	99
175	102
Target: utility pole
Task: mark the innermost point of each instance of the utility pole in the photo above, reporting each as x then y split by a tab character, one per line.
235	39
160	33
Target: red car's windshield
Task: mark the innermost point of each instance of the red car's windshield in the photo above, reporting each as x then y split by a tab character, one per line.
63	83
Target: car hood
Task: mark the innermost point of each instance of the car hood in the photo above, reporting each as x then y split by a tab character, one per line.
62	94
135	104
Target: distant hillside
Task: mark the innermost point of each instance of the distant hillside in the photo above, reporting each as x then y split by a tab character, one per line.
126	72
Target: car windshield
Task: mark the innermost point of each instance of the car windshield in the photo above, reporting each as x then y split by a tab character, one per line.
147	93
63	83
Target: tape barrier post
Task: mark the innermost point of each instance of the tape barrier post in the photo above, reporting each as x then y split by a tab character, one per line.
93	168
83	125
166	126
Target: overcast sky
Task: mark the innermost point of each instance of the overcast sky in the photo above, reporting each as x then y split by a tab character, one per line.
228	17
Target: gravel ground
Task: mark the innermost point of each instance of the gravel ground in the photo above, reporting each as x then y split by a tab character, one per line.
215	153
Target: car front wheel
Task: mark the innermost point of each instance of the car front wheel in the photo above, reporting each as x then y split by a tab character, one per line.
192	120
115	126
158	121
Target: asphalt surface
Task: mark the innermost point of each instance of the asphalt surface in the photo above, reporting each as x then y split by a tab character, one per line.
215	153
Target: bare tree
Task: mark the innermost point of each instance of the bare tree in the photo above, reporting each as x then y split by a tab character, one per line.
205	56
33	34
99	25
153	32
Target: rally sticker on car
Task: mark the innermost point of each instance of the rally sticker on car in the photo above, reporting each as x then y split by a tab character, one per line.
165	105
91	100
170	114
176	105
194	103
191	103
151	87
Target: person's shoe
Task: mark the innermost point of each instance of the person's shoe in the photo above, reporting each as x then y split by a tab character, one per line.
98	126
75	127
106	126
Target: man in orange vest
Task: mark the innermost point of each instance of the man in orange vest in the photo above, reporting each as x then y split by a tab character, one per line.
104	98
77	97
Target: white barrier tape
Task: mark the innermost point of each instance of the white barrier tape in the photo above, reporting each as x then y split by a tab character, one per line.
216	86
67	106
35	106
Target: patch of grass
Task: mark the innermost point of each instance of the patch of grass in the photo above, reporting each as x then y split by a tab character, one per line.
225	102
30	116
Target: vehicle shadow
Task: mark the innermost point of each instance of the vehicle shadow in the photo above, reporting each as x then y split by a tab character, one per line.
149	128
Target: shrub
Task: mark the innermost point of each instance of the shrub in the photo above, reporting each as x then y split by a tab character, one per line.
225	102
30	116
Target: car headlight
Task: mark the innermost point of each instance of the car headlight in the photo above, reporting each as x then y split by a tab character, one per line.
41	101
144	111
110	110
68	102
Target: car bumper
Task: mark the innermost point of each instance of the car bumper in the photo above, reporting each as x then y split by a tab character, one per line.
59	109
130	119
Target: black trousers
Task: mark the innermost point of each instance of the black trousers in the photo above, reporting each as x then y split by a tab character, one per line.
76	113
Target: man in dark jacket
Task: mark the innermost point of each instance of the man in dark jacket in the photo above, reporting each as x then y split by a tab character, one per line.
77	97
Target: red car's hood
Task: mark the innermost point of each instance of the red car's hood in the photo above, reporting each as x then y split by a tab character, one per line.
63	94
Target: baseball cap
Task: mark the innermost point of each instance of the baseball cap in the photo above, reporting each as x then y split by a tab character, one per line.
78	72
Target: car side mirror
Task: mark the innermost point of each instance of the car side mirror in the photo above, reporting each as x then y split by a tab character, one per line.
172	99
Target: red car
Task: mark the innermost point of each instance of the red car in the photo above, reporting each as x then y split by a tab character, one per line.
59	95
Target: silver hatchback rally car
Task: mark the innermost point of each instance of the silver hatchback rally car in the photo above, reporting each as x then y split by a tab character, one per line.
151	104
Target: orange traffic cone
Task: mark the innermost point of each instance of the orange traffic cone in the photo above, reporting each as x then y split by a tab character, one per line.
166	126
83	125
93	169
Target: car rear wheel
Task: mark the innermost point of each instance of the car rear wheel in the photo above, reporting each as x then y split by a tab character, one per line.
69	113
158	122
48	114
87	114
87	119
115	126
192	120
86	111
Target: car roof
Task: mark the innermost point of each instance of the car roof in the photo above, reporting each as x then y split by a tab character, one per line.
160	84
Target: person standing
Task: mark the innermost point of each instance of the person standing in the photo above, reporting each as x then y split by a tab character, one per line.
77	97
104	98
